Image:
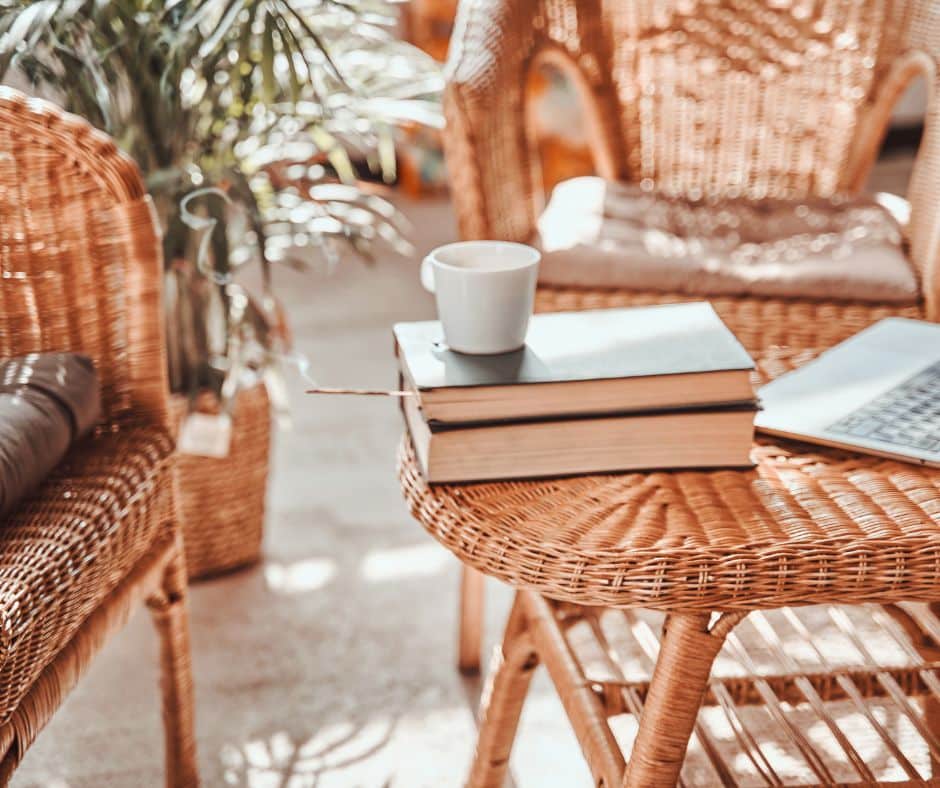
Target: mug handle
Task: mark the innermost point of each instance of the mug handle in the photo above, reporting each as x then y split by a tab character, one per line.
427	275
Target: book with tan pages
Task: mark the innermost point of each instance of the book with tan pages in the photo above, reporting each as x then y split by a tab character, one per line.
717	438
662	387
606	361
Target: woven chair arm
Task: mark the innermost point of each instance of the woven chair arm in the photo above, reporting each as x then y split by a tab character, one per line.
488	155
135	227
924	194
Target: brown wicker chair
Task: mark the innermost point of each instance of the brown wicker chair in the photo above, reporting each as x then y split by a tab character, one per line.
700	98
81	270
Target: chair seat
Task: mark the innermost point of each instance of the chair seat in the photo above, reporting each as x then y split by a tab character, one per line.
759	323
806	524
68	546
815	695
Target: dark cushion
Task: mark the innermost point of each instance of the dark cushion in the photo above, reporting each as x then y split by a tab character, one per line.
47	402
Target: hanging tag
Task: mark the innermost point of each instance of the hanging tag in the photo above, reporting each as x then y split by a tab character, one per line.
277	394
206	435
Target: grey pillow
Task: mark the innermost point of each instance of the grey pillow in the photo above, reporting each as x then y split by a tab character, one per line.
47	402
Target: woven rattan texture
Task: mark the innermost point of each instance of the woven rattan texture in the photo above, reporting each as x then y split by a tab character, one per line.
79	255
223	499
66	548
820	695
81	270
700	98
616	649
805	525
759	323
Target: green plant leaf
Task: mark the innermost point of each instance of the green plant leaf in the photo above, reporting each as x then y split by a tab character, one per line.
229	16
199	93
268	77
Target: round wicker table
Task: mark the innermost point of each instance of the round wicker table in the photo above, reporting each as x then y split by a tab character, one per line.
805	525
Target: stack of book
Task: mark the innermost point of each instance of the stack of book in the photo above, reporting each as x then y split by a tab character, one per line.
591	392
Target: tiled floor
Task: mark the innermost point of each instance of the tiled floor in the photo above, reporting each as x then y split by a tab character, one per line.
332	663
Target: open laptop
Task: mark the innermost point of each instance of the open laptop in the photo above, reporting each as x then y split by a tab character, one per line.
878	393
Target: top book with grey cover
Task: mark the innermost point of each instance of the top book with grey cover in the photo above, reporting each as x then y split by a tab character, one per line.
606	361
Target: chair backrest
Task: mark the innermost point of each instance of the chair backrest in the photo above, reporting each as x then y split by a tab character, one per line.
80	255
749	97
698	98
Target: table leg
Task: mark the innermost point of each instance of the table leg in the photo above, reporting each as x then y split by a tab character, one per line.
471	621
584	708
507	683
675	695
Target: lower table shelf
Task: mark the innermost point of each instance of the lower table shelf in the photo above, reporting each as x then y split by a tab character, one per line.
799	696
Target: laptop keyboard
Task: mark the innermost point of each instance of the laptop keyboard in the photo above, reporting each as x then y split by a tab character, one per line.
908	415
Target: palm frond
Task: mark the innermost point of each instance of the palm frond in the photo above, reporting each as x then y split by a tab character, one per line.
236	94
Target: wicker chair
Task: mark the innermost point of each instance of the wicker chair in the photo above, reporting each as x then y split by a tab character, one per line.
81	270
702	99
699	98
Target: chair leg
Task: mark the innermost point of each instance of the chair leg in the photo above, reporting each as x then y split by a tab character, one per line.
471	621
507	683
675	695
171	618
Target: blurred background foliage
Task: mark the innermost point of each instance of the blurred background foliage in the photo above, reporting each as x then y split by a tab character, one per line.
281	112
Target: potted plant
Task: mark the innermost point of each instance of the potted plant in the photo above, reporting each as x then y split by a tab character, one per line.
251	121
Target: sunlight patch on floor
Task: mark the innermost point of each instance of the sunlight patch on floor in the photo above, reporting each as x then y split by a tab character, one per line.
397	563
299	577
417	750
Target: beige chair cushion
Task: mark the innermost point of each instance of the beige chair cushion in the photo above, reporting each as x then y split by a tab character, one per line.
595	233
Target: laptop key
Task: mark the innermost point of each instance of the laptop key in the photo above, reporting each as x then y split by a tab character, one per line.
908	415
865	427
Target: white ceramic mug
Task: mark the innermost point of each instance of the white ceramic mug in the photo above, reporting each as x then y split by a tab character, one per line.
485	292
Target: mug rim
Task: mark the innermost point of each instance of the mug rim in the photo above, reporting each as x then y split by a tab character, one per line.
534	254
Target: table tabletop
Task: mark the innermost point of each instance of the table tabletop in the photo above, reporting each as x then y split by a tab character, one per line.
807	524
